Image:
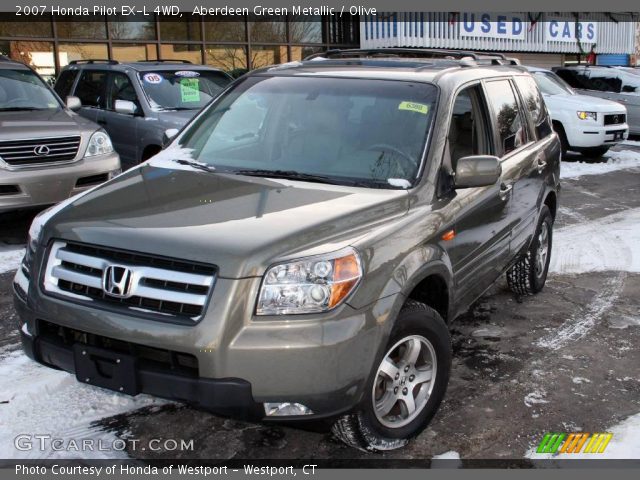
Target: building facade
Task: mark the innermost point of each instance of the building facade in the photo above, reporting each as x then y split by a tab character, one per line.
539	39
233	45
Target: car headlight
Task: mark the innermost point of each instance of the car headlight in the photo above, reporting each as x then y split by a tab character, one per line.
587	115
309	285
99	144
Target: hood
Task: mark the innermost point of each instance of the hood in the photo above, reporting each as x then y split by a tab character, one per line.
42	123
241	224
177	119
583	102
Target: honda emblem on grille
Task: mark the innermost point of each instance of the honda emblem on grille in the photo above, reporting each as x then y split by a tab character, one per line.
41	150
116	281
616	119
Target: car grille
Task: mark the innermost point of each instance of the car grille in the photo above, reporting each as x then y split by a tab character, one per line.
165	288
40	151
615	119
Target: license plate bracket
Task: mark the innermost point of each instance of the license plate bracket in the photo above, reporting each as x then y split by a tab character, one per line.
104	368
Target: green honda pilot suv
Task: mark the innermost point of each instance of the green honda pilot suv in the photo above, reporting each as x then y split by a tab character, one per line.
301	247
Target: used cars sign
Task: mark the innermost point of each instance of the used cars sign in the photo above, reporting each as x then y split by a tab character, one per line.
567	30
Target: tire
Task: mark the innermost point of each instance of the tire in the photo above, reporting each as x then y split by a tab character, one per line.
529	274
564	143
367	430
595	152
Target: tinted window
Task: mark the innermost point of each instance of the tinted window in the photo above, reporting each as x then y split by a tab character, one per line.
534	105
575	78
511	130
371	132
121	88
64	83
606	81
91	89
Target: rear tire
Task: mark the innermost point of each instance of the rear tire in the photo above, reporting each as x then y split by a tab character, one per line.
397	384
595	152
529	274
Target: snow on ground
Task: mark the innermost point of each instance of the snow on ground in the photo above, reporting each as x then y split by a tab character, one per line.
609	243
451	455
624	444
37	400
10	258
617	160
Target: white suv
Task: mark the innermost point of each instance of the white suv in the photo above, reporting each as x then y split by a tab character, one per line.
585	124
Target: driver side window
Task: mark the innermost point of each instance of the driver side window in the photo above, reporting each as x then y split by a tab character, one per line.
467	132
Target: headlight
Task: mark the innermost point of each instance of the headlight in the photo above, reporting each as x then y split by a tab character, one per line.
99	144
309	285
587	115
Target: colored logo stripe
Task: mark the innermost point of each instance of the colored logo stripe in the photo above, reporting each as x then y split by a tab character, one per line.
574	442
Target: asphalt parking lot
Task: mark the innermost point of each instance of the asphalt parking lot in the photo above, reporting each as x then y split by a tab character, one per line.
564	360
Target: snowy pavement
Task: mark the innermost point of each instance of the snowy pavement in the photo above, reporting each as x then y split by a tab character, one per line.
563	361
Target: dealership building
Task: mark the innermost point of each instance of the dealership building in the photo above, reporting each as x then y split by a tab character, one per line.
538	39
237	44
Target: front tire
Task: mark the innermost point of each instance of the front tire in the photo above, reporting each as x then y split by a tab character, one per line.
529	274
407	385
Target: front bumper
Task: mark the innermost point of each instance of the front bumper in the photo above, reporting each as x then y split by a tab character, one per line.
31	187
322	362
586	136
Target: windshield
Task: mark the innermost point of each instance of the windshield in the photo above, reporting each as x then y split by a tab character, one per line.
23	90
551	84
182	89
350	131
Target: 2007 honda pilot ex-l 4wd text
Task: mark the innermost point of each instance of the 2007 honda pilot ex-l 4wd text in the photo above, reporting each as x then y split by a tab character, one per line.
299	249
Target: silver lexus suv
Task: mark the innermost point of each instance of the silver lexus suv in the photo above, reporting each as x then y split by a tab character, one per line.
47	152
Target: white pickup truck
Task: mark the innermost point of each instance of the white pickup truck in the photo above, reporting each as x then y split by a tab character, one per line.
585	124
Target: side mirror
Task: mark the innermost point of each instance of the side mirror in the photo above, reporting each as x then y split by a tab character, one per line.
126	107
73	103
477	171
169	134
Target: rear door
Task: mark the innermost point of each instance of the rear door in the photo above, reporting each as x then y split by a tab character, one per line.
91	89
534	164
122	128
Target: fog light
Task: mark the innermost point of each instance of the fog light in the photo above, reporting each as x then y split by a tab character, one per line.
286	409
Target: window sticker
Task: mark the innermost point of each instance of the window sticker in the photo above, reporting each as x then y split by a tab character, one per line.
187	73
190	90
152	78
414	107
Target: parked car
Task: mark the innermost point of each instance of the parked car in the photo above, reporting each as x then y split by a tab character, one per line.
47	152
612	83
584	124
299	249
137	102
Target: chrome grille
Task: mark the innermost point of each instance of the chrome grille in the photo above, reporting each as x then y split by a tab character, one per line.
39	151
615	119
158	286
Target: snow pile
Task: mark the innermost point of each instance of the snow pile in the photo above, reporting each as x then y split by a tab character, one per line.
625	444
10	259
617	160
450	455
42	401
609	243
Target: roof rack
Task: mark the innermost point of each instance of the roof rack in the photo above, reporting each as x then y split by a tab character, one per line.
477	57
94	60
166	60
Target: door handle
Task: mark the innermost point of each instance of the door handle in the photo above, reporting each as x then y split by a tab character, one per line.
541	165
504	190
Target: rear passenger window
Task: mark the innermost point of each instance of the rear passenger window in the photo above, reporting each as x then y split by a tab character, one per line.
605	82
64	83
534	105
510	126
91	87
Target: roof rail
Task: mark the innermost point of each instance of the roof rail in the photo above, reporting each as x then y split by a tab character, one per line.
479	57
164	60
93	60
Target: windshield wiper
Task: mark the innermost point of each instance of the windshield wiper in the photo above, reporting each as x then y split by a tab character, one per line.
199	166
290	174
